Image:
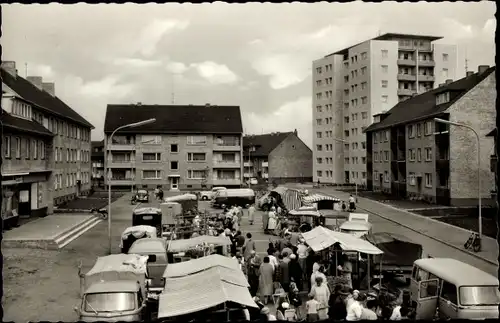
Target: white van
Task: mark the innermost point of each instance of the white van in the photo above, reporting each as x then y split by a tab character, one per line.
456	289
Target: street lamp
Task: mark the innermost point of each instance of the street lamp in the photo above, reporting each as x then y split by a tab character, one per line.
108	172
478	169
349	162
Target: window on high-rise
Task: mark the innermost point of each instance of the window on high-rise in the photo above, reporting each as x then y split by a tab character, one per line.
318	122
318	134
385	69
363	85
445	57
384	98
364	55
385	83
318	108
319	147
319	173
364	115
364	100
363	71
444	73
385	53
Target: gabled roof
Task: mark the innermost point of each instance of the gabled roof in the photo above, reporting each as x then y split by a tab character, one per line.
42	99
20	124
175	118
424	105
264	144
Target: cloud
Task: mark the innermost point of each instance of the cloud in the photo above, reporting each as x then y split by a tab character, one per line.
105	87
289	116
215	73
153	33
176	67
136	62
490	27
45	71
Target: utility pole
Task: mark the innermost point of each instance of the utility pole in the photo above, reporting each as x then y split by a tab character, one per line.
25	70
173	88
466	62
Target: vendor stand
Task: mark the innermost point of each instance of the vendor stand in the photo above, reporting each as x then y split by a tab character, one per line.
215	293
321	240
131	234
186	249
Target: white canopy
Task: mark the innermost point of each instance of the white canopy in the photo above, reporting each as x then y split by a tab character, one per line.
321	238
185	244
315	198
203	290
183	197
193	266
300	212
139	231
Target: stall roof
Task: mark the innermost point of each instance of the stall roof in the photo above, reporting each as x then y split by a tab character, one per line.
228	275
183	197
119	263
197	265
185	244
147	210
148	246
321	238
300	212
201	291
314	198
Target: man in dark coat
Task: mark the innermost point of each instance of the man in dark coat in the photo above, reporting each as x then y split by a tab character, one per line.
295	271
284	273
337	310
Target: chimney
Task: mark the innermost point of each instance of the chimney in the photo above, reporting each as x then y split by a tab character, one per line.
139	103
442	84
10	67
482	68
295	132
207	105
448	81
469	73
49	87
36	81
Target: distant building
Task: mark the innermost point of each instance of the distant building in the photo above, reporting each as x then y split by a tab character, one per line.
67	156
410	155
352	85
277	157
188	147
97	158
494	161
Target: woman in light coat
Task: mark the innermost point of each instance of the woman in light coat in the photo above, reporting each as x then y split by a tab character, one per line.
273	220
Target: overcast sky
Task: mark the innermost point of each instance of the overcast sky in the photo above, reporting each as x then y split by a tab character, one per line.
257	56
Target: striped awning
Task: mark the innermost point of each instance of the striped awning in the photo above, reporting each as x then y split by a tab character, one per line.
315	198
292	199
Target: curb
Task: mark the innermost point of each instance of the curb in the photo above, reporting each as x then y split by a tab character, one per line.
426	235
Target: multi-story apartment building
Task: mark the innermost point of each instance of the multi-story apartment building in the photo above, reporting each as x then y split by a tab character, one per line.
70	175
411	155
188	147
27	165
354	84
277	157
97	159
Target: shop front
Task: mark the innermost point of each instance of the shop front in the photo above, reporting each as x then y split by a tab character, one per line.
25	195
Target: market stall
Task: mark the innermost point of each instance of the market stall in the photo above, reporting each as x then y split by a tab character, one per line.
131	234
204	292
198	265
321	239
185	249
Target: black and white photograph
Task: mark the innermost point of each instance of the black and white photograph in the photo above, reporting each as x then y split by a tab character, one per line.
179	162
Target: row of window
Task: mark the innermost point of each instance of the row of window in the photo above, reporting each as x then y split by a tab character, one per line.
62	128
412	179
72	155
191	157
328	81
414	154
328	67
70	180
381	136
328	107
23	148
329	174
193	174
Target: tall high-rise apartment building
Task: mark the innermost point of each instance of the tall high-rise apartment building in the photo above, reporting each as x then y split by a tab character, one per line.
352	85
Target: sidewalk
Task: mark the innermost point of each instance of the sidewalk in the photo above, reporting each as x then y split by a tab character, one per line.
445	233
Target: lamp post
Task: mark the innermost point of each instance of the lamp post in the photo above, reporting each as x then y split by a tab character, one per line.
349	162
107	171
478	169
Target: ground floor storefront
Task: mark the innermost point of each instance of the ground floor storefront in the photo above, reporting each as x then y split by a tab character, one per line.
25	195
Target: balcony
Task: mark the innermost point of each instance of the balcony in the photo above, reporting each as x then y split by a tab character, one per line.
226	181
265	164
227	146
122	163
265	175
407	77
426	78
122	181
407	62
493	163
122	146
248	164
428	63
406	92
226	164
247	175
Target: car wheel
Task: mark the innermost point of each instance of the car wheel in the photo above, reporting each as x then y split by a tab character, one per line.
204	198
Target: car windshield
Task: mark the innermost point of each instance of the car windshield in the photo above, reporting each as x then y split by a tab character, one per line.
479	295
110	302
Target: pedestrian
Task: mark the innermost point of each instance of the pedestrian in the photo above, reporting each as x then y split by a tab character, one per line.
346	270
266	273
321	294
265	220
253	266
352	203
309	266
249	247
160	194
336	304
368	313
284	273
344	207
354	309
240	214
240	241
295	270
273	221
251	214
272	259
312	307
319	273
302	252
271	249
267	314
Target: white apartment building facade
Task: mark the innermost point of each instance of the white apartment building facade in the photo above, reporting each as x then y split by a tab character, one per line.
352	85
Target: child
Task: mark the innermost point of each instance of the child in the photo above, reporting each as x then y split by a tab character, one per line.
312	307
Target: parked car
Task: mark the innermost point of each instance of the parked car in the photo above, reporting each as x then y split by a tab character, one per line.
208	195
238	196
252	181
142	196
